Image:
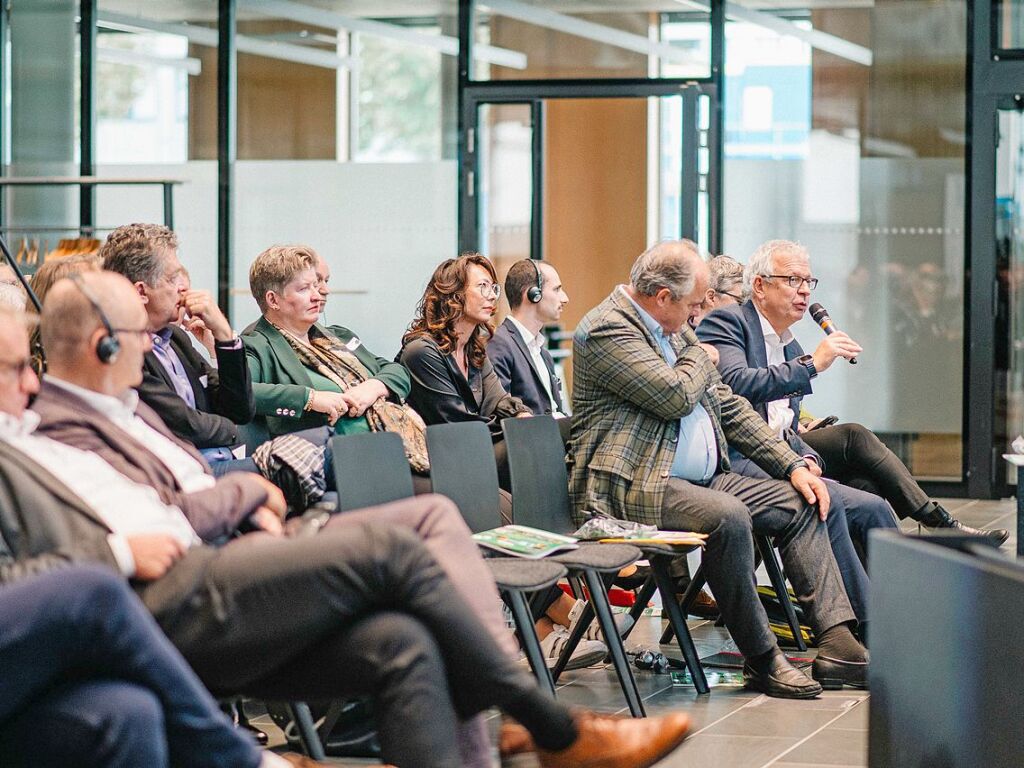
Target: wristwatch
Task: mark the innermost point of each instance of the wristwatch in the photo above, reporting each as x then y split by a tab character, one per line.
808	362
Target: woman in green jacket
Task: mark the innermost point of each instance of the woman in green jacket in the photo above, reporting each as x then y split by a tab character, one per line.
303	374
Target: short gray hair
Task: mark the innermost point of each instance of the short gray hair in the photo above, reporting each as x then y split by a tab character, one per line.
664	265
12	296
725	273
761	263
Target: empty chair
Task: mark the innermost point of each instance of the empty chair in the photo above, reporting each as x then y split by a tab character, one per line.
536	459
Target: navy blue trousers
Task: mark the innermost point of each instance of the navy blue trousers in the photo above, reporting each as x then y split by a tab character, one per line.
853	513
88	679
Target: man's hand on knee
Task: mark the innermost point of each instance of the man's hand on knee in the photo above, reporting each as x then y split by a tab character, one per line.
812	489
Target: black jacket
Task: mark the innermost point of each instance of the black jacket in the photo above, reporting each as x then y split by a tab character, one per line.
223	395
512	362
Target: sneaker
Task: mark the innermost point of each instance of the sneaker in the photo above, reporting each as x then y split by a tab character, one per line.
623	621
587	652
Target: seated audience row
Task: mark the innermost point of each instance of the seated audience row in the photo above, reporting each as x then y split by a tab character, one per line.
360	608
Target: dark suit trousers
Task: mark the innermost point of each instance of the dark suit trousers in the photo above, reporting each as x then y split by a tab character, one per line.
358	609
730	509
852	515
856	457
89	680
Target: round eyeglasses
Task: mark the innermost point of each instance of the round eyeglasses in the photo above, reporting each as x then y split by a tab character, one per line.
489	290
795	281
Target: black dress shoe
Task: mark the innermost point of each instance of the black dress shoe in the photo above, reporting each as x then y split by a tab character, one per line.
781	680
940	518
833	674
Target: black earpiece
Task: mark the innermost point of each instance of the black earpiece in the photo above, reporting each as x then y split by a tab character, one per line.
535	292
108	346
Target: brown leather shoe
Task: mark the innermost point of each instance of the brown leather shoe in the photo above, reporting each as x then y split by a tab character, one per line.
605	741
513	739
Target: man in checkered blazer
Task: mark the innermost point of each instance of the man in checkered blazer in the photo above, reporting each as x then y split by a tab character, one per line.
651	432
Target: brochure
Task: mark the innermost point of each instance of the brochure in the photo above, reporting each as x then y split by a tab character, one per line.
672	538
523	541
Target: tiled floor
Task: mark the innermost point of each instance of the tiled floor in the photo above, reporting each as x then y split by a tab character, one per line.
733	728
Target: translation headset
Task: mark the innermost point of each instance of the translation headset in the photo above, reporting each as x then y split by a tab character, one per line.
535	292
108	346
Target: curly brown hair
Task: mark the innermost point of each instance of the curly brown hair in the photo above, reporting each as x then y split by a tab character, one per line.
442	306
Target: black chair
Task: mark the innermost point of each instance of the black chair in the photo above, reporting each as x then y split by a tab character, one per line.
540	498
766	554
371	469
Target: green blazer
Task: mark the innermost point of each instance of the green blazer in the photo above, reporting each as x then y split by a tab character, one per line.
626	405
281	383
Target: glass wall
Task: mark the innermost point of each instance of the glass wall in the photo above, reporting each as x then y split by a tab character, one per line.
539	39
857	134
1009	17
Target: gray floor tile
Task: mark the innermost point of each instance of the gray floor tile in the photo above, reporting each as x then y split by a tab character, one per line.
727	751
832	746
773	721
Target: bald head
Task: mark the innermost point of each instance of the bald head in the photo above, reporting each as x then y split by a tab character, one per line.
70	321
673	265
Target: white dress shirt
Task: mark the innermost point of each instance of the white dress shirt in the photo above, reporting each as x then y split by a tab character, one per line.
190	474
126	507
535	343
780	415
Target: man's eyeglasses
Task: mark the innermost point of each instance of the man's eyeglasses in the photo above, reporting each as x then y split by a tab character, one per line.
489	290
739	299
795	281
18	367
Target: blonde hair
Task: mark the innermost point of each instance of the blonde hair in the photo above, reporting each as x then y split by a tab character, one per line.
276	267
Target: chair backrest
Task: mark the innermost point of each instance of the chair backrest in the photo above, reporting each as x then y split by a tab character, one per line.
536	463
370	468
462	468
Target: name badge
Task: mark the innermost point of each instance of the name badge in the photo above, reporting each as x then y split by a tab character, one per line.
353	344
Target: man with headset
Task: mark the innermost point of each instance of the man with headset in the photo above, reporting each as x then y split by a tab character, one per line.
518	350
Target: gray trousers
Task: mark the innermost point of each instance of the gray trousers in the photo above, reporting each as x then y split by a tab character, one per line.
729	510
357	609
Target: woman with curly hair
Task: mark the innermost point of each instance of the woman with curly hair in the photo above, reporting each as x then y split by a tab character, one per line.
452	379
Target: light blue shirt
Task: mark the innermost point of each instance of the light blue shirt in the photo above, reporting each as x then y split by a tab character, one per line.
696	456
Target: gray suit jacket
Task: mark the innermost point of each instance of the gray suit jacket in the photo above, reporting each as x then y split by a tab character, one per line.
45	526
213	513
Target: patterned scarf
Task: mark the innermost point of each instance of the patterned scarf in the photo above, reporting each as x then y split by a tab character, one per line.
326	355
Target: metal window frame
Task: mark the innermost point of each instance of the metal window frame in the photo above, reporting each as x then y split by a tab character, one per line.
992	74
474	93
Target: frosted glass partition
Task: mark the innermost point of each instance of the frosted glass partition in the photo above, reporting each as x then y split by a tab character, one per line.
886	240
195	210
382	228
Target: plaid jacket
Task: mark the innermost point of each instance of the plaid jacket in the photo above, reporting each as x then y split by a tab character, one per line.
627	402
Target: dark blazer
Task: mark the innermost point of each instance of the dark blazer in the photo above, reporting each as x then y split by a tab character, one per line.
735	331
281	383
441	394
222	402
45	526
518	376
214	513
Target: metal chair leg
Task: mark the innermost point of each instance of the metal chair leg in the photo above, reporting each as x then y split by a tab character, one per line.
643	597
528	639
697	582
677	620
307	730
771	565
599	599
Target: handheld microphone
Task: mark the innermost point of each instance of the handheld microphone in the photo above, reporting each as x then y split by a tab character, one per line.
820	316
